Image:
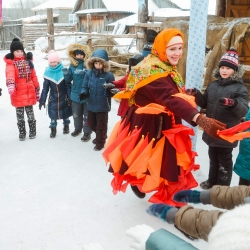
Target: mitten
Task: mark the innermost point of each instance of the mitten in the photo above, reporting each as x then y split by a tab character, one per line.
11	88
192	92
65	71
192	196
108	85
139	235
210	125
115	91
83	96
228	102
0	91
163	211
40	105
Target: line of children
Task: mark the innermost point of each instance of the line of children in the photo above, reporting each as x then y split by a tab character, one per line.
99	103
77	53
225	99
23	86
59	106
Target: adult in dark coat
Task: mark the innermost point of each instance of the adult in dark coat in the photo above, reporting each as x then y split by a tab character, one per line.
151	150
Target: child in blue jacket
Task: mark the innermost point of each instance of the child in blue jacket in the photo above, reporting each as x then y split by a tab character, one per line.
59	92
75	74
99	99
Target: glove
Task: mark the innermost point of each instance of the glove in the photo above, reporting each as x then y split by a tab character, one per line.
228	102
108	93
79	71
108	85
0	91
163	211
115	91
83	96
40	105
139	235
192	92
65	71
192	196
11	88
92	246
210	125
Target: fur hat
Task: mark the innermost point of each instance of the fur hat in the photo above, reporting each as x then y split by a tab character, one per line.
232	230
132	61
16	44
53	56
230	59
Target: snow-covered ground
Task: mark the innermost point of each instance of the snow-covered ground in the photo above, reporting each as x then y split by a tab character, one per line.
56	194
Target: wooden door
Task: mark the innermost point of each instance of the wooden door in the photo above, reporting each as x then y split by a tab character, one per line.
237	8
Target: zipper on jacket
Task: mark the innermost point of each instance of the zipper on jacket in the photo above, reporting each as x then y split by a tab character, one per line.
58	102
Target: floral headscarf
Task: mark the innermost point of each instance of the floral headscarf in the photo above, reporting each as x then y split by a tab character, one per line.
153	66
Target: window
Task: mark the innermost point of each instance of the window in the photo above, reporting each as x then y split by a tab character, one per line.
72	18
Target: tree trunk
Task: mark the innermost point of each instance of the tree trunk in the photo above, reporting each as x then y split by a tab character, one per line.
142	18
220	8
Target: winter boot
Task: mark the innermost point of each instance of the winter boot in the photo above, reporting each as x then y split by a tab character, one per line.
98	147
137	192
94	141
53	132
66	129
86	137
22	130
32	125
76	132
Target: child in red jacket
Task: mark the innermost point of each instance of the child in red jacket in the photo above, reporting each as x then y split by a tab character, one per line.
23	86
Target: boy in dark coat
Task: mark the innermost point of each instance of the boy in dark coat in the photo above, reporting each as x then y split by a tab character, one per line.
226	100
99	99
59	103
75	74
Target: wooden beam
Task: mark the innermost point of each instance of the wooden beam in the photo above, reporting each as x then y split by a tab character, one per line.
148	25
97	35
142	18
220	8
228	8
50	24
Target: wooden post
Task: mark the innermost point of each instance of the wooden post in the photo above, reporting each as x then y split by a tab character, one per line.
89	30
50	25
220	8
142	18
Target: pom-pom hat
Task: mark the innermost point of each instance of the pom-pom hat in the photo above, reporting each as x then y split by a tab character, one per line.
16	44
230	59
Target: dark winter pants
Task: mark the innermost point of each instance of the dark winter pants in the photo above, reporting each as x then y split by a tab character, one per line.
21	122
244	182
53	123
98	122
221	165
80	115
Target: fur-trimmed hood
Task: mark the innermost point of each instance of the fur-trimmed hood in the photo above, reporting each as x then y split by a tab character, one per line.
99	55
237	75
77	46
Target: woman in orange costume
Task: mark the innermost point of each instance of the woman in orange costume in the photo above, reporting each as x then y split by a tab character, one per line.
150	149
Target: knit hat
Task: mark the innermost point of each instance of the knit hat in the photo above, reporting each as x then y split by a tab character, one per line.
79	52
230	59
16	44
175	40
53	56
232	230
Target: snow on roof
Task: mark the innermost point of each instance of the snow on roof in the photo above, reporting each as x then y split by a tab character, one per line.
89	11
120	6
163	12
33	19
62	4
